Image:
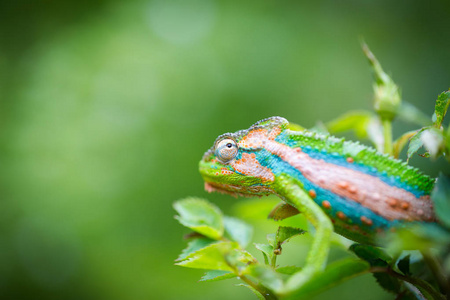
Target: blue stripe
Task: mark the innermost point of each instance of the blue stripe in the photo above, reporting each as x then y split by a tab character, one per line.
350	208
340	160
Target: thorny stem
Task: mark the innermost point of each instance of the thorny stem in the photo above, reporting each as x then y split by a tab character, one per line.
437	271
414	281
387	134
266	293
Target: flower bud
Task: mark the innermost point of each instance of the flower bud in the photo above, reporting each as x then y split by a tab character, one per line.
387	99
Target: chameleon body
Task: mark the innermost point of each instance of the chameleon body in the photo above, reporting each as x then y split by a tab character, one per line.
362	192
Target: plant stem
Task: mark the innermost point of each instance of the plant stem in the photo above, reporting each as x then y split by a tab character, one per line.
266	293
437	271
273	262
387	134
413	280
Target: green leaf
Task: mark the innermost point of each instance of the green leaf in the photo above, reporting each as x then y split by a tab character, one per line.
386	281
238	230
442	103
371	254
212	257
356	121
258	294
335	273
403	265
288	270
200	216
433	140
266	276
285	233
389	283
441	199
217	275
430	137
415	143
195	245
267	251
283	211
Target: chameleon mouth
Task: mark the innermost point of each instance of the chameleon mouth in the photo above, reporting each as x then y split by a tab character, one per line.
237	190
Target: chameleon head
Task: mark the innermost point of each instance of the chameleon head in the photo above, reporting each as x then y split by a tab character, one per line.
238	163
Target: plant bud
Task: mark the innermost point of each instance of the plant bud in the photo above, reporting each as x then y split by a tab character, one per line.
387	99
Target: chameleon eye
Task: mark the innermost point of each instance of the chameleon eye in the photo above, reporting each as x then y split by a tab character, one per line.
226	150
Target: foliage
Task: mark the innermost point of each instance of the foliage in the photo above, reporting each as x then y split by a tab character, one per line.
219	243
440	196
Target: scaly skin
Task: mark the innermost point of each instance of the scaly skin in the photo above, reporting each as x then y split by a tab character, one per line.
329	180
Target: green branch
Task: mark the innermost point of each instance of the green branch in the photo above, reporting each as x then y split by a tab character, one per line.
266	293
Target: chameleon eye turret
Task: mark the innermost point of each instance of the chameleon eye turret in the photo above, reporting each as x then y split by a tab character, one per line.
226	150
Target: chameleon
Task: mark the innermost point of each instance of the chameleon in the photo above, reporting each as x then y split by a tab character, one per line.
338	185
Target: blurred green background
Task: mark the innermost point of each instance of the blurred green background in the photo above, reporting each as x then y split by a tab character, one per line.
107	106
